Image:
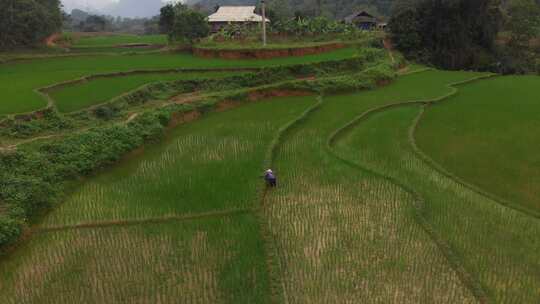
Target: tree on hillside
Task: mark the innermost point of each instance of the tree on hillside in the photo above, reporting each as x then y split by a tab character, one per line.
166	19
523	22
188	25
28	22
311	8
94	23
453	34
279	10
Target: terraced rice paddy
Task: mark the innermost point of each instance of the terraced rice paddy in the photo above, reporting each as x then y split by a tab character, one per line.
99	90
487	135
359	216
19	80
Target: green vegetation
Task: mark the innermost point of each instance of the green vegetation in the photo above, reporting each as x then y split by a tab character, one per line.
28	23
457	34
100	90
208	165
487	136
211	260
118	40
337	229
495	245
362	212
188	25
18	80
225	259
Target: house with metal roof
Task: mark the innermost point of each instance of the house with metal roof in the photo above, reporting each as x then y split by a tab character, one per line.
234	14
363	20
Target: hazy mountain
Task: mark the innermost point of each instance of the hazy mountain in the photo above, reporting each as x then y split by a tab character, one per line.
134	8
332	8
124	8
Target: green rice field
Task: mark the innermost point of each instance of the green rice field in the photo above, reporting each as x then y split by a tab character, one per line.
99	90
359	215
19	80
492	150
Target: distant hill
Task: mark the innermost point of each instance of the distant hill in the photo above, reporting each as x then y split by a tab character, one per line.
331	8
134	8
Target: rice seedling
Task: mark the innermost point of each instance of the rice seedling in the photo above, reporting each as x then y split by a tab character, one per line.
358	216
212	164
487	135
345	236
211	260
497	245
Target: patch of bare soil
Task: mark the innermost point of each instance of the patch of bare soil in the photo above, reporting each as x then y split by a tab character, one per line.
227	105
257	95
181	117
185	98
51	40
383	82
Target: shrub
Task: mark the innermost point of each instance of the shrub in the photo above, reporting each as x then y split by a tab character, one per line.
32	179
189	25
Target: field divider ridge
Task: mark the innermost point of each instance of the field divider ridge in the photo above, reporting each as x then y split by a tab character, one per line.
273	263
134	222
466	278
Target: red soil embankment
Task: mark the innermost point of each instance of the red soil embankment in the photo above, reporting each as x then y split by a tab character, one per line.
51	40
266	53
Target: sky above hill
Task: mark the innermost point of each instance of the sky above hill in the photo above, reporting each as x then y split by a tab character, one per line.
124	8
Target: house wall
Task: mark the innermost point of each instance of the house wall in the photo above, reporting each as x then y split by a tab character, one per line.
216	26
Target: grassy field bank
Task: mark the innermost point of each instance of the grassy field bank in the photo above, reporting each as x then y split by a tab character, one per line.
488	135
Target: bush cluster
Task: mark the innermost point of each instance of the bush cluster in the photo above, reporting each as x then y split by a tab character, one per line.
47	120
32	179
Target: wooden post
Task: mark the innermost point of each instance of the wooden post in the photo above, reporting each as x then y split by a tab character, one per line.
264	21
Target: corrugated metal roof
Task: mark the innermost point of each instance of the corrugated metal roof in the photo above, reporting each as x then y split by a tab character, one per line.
235	14
361	16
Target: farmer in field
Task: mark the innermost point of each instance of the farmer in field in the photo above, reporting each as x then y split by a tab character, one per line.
270	178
